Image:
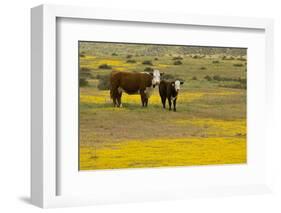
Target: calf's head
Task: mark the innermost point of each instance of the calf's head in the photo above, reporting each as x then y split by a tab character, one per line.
156	77
177	84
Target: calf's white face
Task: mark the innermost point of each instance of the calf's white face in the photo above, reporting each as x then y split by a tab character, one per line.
156	77
177	85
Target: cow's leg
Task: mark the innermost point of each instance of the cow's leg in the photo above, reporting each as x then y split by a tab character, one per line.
113	94
163	98
143	97
118	96
174	103
170	103
115	101
146	101
119	99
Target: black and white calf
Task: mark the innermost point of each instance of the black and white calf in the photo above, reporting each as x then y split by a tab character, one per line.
169	90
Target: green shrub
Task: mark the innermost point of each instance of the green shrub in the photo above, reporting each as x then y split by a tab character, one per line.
237	83
194	78
217	78
227	58
83	82
242	80
243	83
203	68
234	86
105	66
104	83
129	56
238	65
147	62
208	78
84	69
177	62
82	54
98	76
131	61
114	54
156	59
177	58
241	59
216	62
148	69
85	72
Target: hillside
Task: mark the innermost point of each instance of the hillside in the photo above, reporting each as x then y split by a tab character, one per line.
103	48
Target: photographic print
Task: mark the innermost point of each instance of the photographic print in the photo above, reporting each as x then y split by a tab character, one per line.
155	105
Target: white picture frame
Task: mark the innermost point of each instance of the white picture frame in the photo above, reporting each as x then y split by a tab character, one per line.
44	154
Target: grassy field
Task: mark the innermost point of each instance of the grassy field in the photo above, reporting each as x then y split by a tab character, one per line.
208	128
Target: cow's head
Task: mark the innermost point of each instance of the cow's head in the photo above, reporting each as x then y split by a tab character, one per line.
176	84
156	77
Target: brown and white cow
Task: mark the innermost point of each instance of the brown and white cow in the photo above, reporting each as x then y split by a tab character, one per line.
169	90
133	83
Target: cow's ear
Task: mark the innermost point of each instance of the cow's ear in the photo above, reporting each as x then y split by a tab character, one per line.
161	73
182	82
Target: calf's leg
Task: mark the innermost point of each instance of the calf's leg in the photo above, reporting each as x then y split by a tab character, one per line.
174	103
163	98
170	103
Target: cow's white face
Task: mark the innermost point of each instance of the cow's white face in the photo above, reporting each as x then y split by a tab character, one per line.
178	85
156	77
